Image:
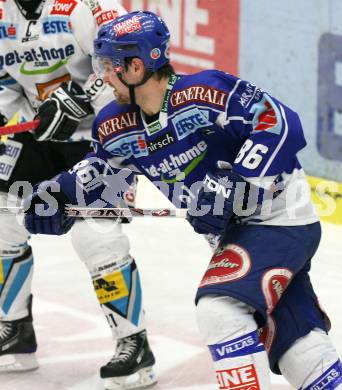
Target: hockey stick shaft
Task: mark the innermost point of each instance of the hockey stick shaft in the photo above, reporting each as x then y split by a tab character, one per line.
19	128
109	212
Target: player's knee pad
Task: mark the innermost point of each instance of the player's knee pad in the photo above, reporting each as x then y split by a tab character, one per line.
14	236
99	242
229	329
312	363
15	285
221	317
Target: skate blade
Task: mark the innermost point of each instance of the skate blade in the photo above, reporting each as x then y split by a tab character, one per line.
142	379
18	362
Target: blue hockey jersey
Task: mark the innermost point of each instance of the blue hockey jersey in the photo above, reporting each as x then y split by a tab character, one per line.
208	117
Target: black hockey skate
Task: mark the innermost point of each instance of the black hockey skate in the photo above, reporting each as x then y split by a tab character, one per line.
17	345
131	366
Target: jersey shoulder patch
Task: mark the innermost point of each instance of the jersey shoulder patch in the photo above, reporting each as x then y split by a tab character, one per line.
207	88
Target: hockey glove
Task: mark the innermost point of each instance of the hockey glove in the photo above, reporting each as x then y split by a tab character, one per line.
3	121
217	195
45	210
61	112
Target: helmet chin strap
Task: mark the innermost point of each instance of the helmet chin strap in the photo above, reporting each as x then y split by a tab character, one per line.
131	87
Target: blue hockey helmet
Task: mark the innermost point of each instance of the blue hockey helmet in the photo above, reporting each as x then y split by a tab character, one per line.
140	34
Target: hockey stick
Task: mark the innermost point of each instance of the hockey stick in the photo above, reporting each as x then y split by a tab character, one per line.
19	128
114	212
109	212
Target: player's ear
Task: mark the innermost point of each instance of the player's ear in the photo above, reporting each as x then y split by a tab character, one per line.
138	66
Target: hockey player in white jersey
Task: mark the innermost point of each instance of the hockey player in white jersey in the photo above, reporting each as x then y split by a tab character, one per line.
45	71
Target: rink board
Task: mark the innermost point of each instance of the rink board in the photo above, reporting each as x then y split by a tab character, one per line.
327	197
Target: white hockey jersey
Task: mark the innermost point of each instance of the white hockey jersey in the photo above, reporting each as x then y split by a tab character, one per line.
36	56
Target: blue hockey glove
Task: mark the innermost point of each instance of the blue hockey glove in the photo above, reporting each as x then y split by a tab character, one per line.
219	189
45	210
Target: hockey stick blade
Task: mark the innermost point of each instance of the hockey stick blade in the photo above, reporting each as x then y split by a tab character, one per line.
19	128
109	212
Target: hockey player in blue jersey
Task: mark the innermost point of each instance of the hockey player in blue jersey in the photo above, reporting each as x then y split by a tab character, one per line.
225	150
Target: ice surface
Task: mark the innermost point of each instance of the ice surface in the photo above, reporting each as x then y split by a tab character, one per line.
74	339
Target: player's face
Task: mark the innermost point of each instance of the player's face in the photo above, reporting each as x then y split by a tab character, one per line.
121	92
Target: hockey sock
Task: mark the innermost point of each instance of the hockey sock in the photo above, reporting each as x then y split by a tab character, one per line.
104	249
15	285
228	327
240	363
118	290
312	363
331	379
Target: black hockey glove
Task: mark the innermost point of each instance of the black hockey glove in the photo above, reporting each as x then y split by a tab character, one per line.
3	121
61	112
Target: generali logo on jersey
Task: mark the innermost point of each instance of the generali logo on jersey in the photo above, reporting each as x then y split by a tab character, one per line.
240	378
199	93
63	7
119	123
